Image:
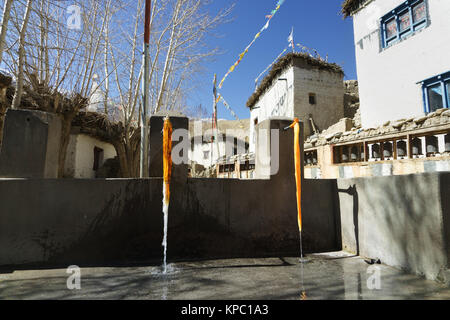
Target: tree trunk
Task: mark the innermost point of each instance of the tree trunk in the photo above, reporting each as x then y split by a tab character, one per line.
5	82
19	85
77	103
6	15
2	121
129	155
121	154
65	137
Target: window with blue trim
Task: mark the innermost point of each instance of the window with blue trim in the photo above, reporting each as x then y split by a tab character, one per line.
404	20
436	92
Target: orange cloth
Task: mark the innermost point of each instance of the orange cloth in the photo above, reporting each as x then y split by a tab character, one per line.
298	172
167	156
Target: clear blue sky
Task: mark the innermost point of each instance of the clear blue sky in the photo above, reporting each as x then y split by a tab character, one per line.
317	24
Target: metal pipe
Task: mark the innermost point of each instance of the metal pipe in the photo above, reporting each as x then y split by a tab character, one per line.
144	163
216	126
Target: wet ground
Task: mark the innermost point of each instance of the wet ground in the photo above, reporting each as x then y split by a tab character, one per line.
327	276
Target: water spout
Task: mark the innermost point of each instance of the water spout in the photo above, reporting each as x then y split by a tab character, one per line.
166	221
167	171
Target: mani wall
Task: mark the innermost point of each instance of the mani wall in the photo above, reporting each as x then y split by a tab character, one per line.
408	146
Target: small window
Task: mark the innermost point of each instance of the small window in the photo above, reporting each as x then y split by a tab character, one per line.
403	21
391	29
419	12
205	155
436	92
312	98
256	121
98	158
435	96
447	88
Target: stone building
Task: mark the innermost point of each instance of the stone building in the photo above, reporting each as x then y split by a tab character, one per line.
86	154
402	57
233	140
407	146
404	82
299	86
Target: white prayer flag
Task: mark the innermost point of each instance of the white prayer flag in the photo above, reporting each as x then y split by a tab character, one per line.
291	38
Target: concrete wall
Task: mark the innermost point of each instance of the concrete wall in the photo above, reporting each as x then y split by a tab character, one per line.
51	222
55	222
30	145
62	222
80	156
402	220
388	77
180	138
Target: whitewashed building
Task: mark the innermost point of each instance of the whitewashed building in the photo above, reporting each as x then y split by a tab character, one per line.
86	155
89	148
402	56
299	86
232	140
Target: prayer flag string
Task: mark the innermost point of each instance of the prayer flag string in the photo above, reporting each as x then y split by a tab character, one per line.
270	66
241	56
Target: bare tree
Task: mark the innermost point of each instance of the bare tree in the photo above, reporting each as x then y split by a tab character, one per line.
177	50
4	26
198	112
57	65
22	34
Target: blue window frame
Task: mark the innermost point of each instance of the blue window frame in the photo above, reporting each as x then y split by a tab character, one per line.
436	92
403	21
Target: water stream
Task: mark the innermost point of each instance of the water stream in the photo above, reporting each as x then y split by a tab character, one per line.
166	221
302	277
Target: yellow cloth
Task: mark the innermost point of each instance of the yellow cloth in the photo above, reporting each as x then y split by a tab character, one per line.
298	173
167	157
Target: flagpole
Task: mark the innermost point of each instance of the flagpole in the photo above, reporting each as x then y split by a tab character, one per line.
215	120
144	165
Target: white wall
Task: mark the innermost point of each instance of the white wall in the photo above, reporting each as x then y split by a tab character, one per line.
80	156
328	88
277	101
291	99
199	132
197	155
388	77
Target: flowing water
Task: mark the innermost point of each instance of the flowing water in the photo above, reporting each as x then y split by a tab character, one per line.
166	222
302	276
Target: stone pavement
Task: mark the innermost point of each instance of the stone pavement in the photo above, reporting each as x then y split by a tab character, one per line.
326	276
